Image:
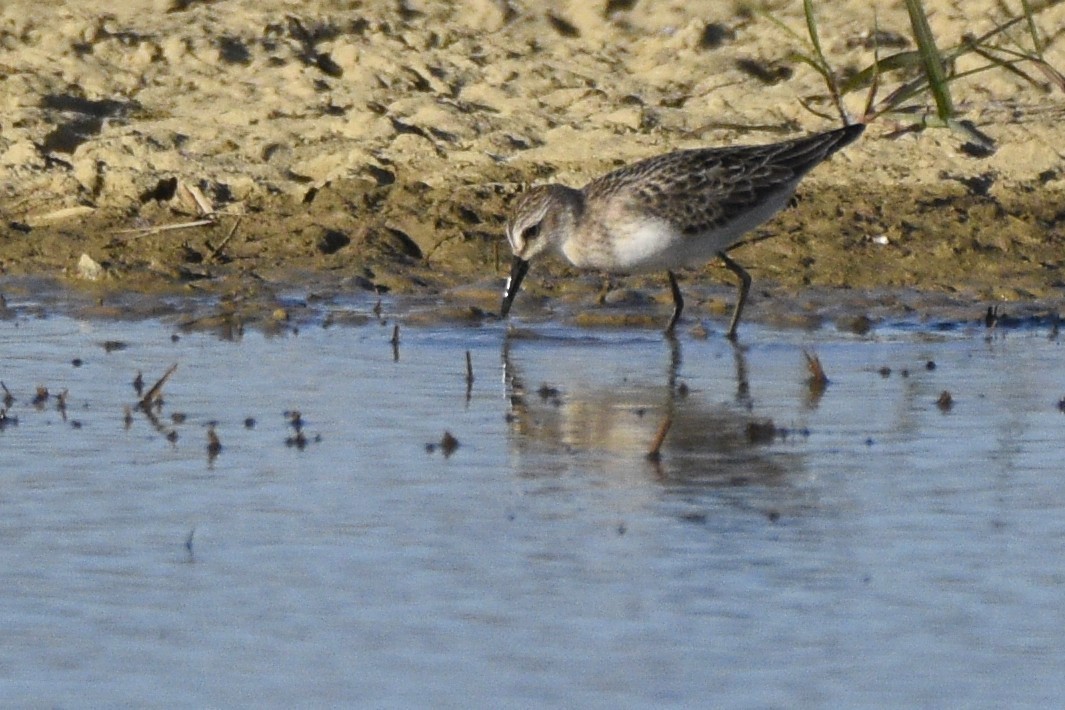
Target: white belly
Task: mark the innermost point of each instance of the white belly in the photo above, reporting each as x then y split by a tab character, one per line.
637	243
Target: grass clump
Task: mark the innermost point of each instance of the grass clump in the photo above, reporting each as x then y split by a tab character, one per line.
924	75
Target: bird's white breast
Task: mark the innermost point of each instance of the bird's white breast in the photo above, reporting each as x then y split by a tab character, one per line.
646	244
630	241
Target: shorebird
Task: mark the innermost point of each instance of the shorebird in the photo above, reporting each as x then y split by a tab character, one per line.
672	211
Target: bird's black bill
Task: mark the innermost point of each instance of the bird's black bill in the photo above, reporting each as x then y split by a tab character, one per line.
518	269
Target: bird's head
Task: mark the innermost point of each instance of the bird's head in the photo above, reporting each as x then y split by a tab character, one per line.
542	220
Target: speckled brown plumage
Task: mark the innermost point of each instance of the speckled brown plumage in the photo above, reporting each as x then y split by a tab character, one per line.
706	188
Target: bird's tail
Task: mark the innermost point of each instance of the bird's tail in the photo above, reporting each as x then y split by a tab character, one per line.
842	137
802	154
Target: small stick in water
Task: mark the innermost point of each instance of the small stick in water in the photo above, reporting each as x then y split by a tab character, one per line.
152	395
214	444
818	380
188	544
469	377
656	445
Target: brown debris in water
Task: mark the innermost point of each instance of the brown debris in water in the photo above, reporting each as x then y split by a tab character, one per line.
817	382
654	455
40	397
154	396
448	444
298	438
761	432
214	444
6	420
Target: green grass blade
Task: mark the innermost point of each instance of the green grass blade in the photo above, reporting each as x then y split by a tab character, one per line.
931	58
812	62
1008	65
825	69
905	60
874	84
809	107
909	59
811	28
1053	75
1037	43
896	100
783	26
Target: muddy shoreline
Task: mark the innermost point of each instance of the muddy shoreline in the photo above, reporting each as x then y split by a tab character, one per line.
375	151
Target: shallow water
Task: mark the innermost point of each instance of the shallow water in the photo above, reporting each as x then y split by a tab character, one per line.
858	548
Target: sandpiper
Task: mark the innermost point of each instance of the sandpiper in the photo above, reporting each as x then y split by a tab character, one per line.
668	212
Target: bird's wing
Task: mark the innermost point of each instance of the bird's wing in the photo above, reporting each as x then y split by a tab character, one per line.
706	189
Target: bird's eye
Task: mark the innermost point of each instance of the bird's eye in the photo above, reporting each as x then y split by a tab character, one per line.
530	233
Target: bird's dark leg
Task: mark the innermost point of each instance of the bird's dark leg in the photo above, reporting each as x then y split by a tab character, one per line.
607	287
745	286
678	303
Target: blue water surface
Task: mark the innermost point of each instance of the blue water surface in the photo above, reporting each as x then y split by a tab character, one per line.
859	546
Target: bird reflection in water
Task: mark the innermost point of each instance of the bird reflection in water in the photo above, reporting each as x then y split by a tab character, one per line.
573	423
